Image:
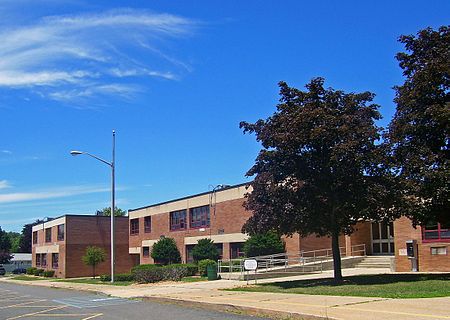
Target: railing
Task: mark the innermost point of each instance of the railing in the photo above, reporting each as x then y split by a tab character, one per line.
307	261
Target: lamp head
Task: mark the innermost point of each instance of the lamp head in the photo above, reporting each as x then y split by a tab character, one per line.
75	152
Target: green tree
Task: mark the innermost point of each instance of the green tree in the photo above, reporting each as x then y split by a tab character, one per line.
205	249
419	132
262	244
5	247
165	251
107	212
14	238
93	256
321	168
26	239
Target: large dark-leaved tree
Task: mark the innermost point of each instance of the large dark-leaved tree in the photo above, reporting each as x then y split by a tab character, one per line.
320	170
27	236
5	247
419	133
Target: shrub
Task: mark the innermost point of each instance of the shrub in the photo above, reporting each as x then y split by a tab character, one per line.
205	249
263	244
38	272
165	251
153	273
117	277
48	273
203	265
31	270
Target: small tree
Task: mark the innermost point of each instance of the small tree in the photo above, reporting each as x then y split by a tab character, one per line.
165	251
94	255
205	249
263	244
5	247
107	212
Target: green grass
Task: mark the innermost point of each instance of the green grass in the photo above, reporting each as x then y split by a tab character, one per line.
28	278
403	286
194	279
95	281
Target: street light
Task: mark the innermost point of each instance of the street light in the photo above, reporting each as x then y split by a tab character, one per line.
112	165
212	199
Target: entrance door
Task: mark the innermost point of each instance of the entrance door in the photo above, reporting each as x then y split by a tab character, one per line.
383	238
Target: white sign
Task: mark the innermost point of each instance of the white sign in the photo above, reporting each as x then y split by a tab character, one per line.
250	264
402	252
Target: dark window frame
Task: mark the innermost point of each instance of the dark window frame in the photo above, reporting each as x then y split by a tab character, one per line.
147	224
48	234
35	237
134	226
61	234
199	217
38	259
178	220
146	252
44	260
436	235
55	262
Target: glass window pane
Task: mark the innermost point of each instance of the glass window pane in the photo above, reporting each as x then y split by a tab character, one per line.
384	231
375	231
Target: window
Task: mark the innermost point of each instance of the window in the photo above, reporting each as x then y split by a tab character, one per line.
199	217
439	250
436	232
38	260
134	226
61	232
44	260
55	258
147	224
146	252
48	235
178	220
35	237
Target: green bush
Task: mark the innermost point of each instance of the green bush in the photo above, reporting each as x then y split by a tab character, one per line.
31	270
48	273
203	265
165	251
38	272
205	249
144	267
154	273
117	277
263	244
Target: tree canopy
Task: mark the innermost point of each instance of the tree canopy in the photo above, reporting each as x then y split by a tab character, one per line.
93	256
5	247
26	238
419	133
107	212
321	169
205	249
165	251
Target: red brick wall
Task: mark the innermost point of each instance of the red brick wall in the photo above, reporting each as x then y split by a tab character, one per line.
230	216
403	230
361	235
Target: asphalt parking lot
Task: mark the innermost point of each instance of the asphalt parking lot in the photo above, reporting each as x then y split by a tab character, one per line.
27	302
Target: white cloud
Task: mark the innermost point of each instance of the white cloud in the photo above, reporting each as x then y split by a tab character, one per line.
4	184
85	55
6	151
48	194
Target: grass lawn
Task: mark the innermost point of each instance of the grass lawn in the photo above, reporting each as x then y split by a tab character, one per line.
403	286
96	281
28	278
194	279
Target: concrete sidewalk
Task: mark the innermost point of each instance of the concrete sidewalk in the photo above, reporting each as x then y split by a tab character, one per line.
208	295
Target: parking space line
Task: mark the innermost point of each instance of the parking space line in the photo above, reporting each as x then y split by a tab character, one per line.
22	304
63	315
93	316
35	313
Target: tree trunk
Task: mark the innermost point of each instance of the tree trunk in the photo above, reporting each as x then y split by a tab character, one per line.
93	271
336	257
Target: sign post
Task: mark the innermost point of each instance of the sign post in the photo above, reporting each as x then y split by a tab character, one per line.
250	265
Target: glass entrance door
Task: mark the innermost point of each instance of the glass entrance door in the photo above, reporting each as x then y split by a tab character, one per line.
382	238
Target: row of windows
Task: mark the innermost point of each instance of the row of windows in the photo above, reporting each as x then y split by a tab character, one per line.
48	234
198	218
41	260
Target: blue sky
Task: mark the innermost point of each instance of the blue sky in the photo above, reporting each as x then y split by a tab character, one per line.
174	79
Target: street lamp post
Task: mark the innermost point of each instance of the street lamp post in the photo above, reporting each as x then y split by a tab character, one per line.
112	165
212	201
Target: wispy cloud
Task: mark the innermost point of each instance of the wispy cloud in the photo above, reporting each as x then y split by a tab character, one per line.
51	193
79	56
4	184
6	151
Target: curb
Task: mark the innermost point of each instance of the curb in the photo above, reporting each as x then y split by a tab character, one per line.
229	308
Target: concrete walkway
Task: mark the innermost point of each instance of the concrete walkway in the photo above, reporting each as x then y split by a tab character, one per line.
208	295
